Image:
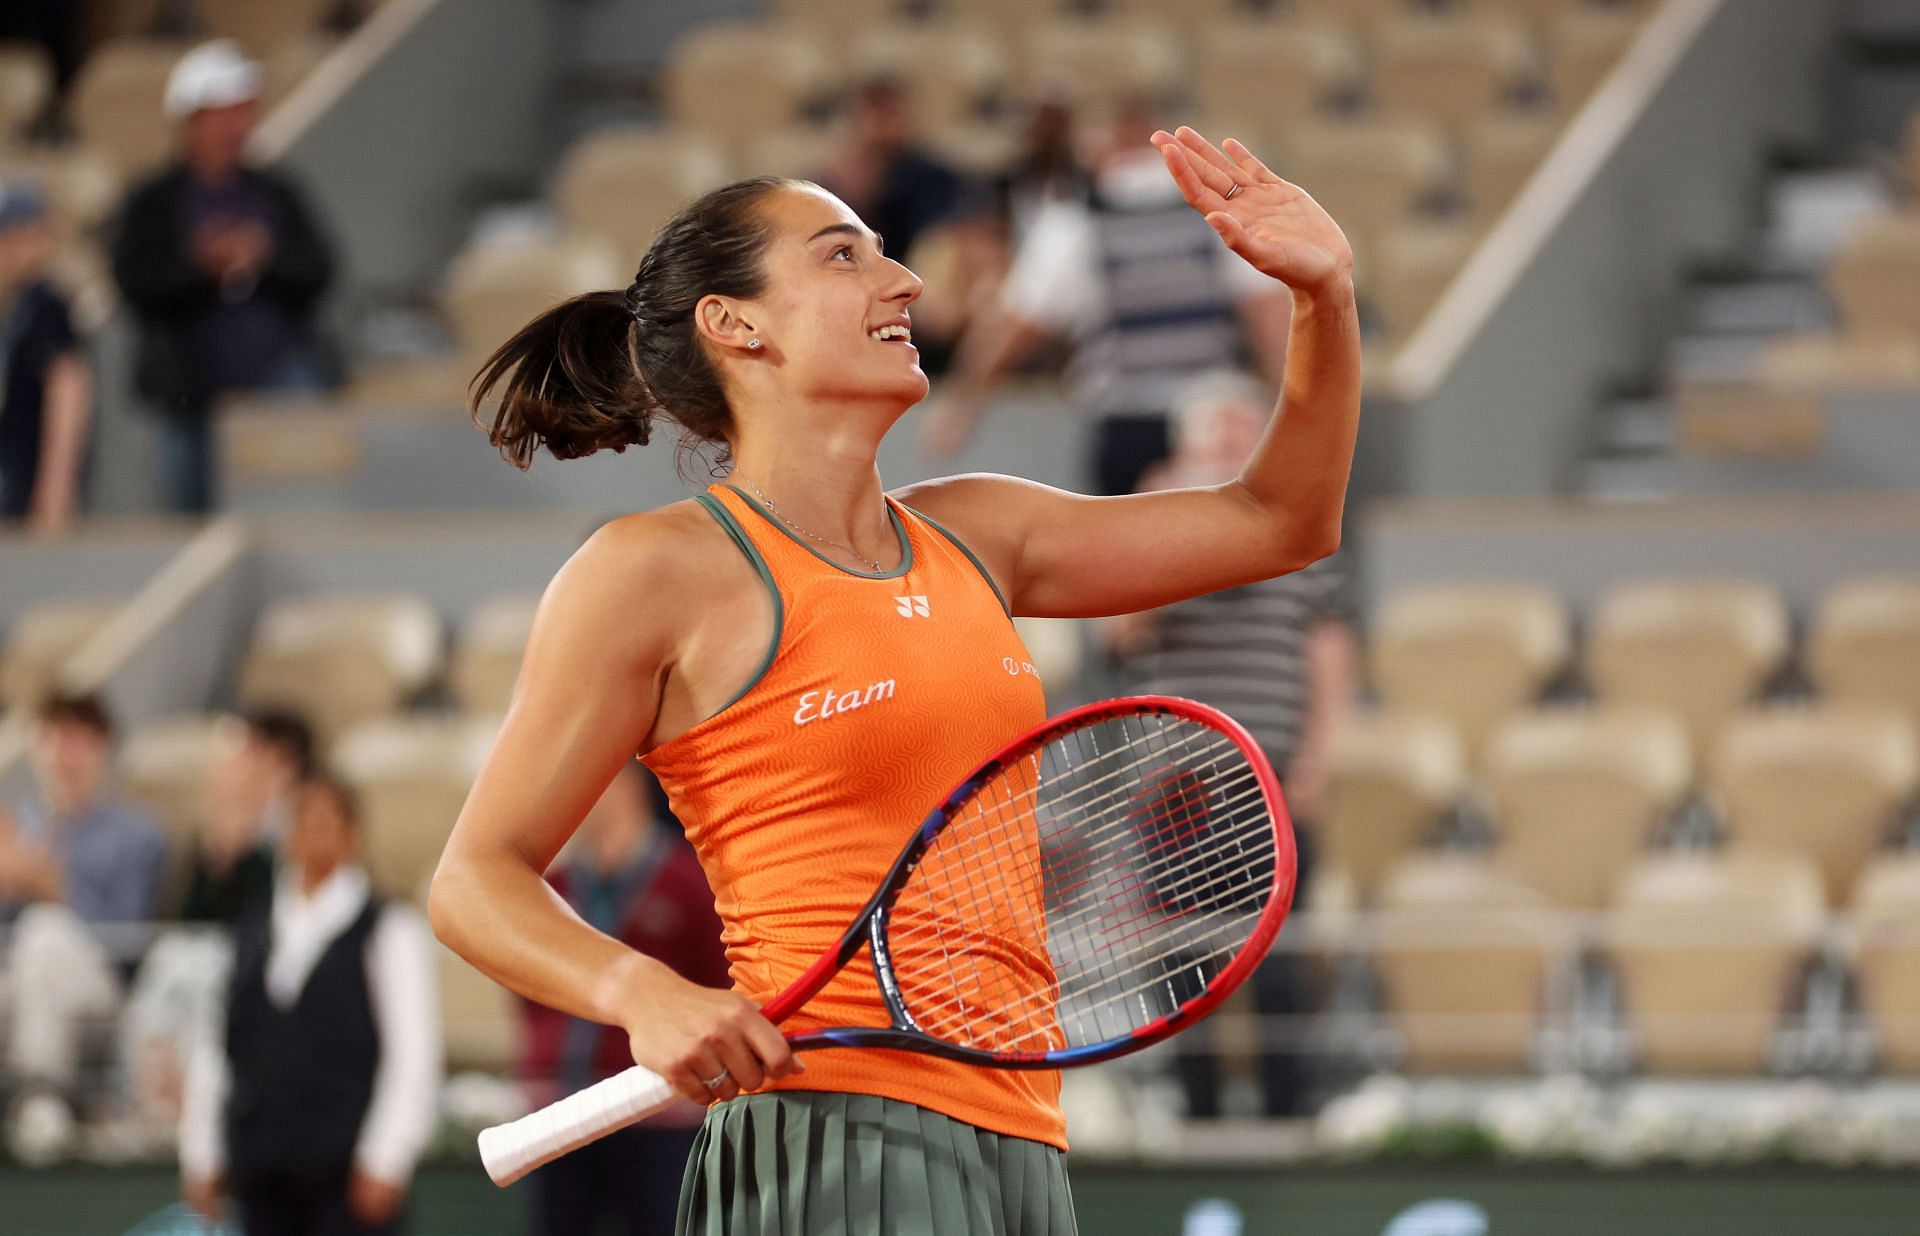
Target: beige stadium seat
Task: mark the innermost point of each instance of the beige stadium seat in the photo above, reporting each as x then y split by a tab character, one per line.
802	151
262	25
1829	782
1845	361
120	19
1416	263
497	285
480	1021
290	63
1360	15
117	103
1471	653
981	148
1701	649
1583	46
1393	778
1449	71
951	70
1465	958
733	81
164	765
1865	643
1500	153
41	641
1577	794
1747	420
1372	176
26	83
486	658
1271	74
1097	63
81	187
1707	948
341	658
1873	276
621	184
1886	958
1010	16
413	775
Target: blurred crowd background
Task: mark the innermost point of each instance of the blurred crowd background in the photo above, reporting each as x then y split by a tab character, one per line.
1601	732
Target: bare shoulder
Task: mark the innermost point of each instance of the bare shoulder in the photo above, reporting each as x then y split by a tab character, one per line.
984	505
642	574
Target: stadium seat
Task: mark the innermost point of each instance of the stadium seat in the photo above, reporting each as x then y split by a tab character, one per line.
412	774
1865	643
1583	46
1500	153
1873	276
1359	15
41	641
1577	794
341	658
262	25
1449	71
26	83
116	104
81	188
1372	176
1098	62
951	70
480	1023
979	148
1886	956
121	19
163	765
1845	361
1536	13
1392	781
801	151
733	81
1416	264
1011	16
486	657
1746	420
291	62
1700	649
1268	74
1471	653
1464	957
1707	948
498	284
621	184
1829	782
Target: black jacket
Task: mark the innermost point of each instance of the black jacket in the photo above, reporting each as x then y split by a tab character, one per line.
153	264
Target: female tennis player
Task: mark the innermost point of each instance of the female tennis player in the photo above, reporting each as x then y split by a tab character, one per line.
809	664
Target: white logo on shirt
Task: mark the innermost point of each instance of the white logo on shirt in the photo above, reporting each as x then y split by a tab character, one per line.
819	705
911	605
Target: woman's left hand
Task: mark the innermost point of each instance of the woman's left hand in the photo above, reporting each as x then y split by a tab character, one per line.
1276	226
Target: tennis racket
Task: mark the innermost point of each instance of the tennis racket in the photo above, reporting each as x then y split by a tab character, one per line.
1098	884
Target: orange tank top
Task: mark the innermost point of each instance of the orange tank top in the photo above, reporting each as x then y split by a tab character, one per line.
877	695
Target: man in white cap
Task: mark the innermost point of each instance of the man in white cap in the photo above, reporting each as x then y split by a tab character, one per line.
223	265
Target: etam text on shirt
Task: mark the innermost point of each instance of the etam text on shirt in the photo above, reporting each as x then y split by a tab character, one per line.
819	705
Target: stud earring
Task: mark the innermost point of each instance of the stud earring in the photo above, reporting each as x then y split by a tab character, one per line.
753	343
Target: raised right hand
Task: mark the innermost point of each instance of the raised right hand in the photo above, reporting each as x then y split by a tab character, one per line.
690	1034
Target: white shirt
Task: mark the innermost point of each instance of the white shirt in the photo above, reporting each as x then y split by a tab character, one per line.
1055	279
404	988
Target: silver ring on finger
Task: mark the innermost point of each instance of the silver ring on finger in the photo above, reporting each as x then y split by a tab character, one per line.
715	1081
1237	186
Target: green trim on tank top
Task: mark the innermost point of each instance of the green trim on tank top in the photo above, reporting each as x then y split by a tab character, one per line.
719	511
780	526
977	564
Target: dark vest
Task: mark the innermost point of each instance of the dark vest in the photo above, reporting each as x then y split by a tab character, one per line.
303	1076
1170	312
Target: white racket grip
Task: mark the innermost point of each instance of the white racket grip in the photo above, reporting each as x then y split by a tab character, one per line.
511	1150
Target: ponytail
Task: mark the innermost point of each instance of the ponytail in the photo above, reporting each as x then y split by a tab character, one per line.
568	382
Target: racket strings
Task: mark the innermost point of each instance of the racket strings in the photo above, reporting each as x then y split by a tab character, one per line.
1087	891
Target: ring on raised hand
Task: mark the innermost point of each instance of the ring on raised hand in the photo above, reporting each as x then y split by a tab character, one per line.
714	1082
1237	186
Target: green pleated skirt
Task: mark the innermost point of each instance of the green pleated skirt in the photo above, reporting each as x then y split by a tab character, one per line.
810	1163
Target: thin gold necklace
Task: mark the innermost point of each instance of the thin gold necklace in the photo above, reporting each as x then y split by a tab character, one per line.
781	516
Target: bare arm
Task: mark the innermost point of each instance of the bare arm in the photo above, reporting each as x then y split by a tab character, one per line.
600	649
63	442
1065	555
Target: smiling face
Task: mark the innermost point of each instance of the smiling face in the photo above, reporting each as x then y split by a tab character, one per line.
834	318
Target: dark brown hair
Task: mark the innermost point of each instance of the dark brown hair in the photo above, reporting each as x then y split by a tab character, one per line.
77	708
593	372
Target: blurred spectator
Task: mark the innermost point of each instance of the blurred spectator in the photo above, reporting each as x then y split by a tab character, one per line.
54	25
313	1104
1047	168
72	861
223	265
896	187
637	881
1279	657
251	783
47	396
1147	292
